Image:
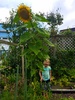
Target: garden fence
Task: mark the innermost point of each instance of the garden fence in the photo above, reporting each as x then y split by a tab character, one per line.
63	43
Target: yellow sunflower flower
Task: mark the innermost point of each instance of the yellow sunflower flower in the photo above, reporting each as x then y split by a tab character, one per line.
24	13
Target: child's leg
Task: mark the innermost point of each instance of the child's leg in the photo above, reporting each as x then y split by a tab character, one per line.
45	89
48	89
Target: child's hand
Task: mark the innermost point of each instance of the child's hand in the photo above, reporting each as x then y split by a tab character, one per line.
51	79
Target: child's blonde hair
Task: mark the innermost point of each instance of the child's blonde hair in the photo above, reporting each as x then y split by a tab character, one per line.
46	61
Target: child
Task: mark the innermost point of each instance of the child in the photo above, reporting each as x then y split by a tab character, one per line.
45	75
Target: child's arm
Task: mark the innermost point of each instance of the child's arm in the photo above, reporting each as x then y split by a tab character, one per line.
40	74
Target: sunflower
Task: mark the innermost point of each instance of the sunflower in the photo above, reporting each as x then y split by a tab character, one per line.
24	13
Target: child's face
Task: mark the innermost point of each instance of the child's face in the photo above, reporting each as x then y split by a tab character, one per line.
46	63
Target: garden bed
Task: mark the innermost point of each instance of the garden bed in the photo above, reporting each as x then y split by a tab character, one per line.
57	96
65	91
69	86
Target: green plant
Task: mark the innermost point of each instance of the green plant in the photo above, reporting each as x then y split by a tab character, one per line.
72	74
11	78
63	82
62	63
35	92
6	95
2	67
70	98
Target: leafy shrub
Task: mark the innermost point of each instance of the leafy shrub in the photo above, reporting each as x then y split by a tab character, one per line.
72	74
62	63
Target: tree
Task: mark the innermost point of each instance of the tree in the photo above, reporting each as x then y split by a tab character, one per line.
54	19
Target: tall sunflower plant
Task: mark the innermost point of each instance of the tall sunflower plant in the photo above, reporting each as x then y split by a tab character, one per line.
35	38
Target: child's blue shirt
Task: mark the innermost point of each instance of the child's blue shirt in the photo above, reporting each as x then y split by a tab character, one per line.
46	73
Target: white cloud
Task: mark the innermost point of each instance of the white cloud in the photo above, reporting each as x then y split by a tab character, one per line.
67	8
68	4
36	6
4	12
42	5
70	16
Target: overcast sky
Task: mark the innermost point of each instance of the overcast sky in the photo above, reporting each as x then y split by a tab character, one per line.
66	8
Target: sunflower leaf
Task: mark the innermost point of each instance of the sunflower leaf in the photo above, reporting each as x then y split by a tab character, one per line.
25	37
16	19
48	42
34	48
40	18
44	33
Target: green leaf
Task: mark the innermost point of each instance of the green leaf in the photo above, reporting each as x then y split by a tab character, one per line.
43	32
16	19
48	42
39	65
34	48
26	36
40	18
33	71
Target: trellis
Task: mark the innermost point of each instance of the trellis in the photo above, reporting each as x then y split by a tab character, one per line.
62	43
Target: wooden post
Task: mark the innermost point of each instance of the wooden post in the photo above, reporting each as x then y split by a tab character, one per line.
22	62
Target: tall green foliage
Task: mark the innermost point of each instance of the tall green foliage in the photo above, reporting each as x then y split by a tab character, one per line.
35	40
33	36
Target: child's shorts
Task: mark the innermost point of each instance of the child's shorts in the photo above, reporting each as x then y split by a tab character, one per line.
45	85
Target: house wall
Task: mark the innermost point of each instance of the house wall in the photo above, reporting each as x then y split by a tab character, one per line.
3	36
